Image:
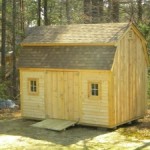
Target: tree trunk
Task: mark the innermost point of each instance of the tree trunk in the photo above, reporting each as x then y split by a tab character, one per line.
45	13
87	11
95	11
61	12
132	11
22	19
115	10
68	12
140	11
14	49
109	18
39	13
3	44
101	10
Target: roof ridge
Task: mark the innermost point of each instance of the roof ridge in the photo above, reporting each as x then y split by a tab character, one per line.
127	23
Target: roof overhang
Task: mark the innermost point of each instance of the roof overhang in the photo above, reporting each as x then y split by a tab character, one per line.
67	44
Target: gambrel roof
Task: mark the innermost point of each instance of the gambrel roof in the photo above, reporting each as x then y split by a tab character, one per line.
79	46
76	33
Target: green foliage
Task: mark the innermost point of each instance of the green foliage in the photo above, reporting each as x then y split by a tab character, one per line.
145	29
30	14
4	90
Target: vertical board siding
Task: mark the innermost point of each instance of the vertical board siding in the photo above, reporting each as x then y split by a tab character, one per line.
55	104
95	111
129	80
33	106
63	95
68	97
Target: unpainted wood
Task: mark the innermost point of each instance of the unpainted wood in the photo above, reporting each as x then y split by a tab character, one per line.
54	124
63	99
32	105
129	79
95	111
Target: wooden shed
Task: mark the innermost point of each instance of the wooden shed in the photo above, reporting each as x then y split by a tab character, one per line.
94	74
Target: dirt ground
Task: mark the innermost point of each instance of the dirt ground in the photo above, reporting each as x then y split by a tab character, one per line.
17	134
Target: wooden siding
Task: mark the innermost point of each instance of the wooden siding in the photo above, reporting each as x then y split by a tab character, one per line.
63	95
129	71
32	106
95	111
66	96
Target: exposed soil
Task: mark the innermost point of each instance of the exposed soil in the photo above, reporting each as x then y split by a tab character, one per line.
17	134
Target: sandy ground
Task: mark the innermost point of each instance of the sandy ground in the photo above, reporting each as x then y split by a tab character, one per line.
17	134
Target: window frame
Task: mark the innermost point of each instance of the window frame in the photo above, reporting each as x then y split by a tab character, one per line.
29	86
95	97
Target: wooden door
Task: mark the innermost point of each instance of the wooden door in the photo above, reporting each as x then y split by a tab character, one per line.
54	92
63	95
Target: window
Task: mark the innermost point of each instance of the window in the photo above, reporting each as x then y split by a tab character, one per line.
33	86
94	90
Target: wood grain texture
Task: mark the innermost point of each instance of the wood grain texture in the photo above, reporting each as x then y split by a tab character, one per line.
129	71
64	92
32	105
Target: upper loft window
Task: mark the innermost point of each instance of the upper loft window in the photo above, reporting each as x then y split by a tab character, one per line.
33	86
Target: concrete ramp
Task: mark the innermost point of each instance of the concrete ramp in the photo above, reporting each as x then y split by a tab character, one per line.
54	124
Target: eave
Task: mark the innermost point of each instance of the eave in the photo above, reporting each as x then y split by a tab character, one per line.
67	44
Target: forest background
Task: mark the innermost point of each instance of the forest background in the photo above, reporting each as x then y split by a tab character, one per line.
17	16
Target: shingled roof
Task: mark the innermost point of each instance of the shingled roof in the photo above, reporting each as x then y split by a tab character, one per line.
68	57
77	33
68	46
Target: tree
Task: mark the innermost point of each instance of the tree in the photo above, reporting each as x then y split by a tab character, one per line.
95	11
45	13
140	10
14	48
39	13
3	44
101	10
68	12
87	11
115	10
22	26
109	8
30	13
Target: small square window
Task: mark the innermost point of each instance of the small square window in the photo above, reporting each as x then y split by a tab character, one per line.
33	86
94	90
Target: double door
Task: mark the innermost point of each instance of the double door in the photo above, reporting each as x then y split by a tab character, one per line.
62	95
